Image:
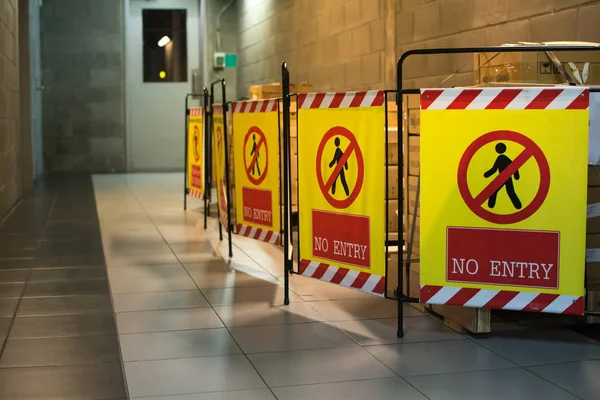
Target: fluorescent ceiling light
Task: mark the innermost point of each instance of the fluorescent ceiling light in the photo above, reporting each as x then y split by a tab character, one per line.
164	41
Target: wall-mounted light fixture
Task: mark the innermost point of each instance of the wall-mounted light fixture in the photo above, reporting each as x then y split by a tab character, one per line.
164	41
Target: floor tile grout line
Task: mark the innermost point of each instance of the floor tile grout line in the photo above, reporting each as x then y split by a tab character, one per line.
202	294
552	383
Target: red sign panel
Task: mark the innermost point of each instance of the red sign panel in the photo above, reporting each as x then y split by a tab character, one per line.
341	237
503	257
257	206
196	176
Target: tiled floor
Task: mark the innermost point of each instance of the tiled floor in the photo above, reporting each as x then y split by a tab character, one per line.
195	325
192	324
57	327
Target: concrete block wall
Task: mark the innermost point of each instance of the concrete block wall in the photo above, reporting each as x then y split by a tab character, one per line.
333	44
229	41
353	44
462	23
10	139
84	96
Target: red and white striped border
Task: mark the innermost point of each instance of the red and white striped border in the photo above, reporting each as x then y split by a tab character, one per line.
371	98
503	299
569	98
197	193
196	112
217	109
258	234
223	220
255	106
370	283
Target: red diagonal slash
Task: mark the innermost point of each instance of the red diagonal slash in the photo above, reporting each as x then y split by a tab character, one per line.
504	176
336	171
258	147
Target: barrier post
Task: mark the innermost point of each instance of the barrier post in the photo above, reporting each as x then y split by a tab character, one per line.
226	144
207	170
185	152
212	101
285	86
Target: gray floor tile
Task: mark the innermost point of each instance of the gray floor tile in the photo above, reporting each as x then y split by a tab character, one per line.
60	351
101	381
177	344
14	276
373	389
67	274
62	326
11	290
579	378
255	394
315	335
66	288
94	260
264	314
384	331
272	295
192	248
118	272
4	327
345	310
167	320
318	366
542	346
314	290
65	305
437	357
191	375
8	307
147	285
16	264
225	279
504	384
159	301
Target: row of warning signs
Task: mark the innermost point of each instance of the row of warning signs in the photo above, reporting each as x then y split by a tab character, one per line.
502	201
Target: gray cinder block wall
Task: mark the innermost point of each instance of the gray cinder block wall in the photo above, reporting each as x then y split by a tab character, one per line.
84	96
354	44
10	141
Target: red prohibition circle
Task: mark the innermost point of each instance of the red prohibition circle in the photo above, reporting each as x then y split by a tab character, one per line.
475	204
354	149
262	142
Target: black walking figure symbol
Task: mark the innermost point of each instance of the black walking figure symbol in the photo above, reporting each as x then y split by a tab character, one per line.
254	149
342	175
502	162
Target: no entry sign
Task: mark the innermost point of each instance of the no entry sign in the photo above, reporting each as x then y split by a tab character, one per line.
195	149
341	188
503	198
256	158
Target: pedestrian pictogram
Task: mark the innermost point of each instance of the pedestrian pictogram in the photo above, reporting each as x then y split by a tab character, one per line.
256	155
196	143
502	162
502	177
343	160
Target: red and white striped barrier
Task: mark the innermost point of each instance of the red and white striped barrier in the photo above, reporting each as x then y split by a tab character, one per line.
263	235
571	98
503	299
370	283
196	112
371	98
254	106
217	109
195	193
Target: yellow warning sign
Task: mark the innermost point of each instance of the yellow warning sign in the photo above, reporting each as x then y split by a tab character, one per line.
341	187
255	145
503	194
195	157
219	160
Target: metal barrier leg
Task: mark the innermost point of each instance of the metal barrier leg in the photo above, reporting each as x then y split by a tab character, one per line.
286	178
185	170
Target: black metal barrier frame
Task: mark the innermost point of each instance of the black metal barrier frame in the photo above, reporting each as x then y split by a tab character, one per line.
287	178
399	99
205	122
224	107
